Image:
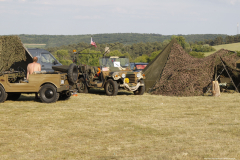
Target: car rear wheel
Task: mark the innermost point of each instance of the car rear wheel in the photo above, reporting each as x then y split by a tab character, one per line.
111	87
140	90
48	93
3	94
82	86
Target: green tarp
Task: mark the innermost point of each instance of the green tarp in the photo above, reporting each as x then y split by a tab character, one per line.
13	54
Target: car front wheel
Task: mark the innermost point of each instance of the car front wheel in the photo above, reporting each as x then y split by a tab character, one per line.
140	90
111	87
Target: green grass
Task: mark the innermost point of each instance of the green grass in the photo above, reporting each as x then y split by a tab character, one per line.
95	126
232	47
35	45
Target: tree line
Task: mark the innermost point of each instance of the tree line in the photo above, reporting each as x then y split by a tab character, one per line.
136	52
125	38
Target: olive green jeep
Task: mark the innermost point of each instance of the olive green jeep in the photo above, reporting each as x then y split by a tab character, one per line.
113	74
51	86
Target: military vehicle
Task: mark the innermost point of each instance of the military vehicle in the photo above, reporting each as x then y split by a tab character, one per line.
51	85
113	74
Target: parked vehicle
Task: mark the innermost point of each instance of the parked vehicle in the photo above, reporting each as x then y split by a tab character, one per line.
45	58
139	66
113	74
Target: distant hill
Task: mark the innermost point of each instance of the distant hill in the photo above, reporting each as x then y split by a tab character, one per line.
125	38
231	47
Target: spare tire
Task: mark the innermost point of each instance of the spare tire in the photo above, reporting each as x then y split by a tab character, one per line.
73	73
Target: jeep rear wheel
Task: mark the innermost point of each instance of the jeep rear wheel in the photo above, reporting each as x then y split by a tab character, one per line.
111	87
13	96
3	94
140	90
82	86
48	93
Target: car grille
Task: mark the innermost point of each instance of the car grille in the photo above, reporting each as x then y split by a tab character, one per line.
132	78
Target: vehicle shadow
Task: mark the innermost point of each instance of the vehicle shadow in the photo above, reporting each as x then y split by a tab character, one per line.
102	92
26	97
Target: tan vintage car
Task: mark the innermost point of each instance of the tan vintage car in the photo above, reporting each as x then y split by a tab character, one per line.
51	86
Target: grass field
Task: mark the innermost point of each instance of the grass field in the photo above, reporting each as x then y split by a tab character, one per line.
232	47
35	45
95	126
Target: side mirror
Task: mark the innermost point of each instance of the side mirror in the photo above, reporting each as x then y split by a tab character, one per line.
55	62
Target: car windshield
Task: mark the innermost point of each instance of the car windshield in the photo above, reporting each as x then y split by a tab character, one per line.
114	62
47	58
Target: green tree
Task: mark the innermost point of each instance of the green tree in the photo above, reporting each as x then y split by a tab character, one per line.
143	58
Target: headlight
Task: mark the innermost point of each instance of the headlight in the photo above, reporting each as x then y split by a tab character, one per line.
123	75
138	75
62	81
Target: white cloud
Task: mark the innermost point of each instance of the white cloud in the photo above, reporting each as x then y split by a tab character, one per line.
233	2
86	17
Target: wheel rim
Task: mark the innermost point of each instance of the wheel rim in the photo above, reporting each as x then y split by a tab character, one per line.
110	88
49	93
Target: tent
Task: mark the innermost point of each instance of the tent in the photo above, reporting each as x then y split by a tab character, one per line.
175	73
13	54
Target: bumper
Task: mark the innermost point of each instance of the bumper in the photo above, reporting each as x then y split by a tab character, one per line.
132	88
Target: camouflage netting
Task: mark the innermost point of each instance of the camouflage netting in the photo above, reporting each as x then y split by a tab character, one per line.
175	73
11	51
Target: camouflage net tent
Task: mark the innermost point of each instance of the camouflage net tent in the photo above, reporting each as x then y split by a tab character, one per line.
13	54
175	73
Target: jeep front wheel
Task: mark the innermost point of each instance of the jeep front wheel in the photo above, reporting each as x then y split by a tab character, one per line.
111	87
48	93
141	89
3	94
82	86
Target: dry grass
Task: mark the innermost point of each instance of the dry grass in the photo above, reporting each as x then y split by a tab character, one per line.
95	126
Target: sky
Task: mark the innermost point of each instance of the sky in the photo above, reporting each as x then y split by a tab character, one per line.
79	17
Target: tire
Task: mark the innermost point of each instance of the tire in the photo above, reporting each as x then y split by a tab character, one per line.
73	73
3	94
48	93
64	97
111	88
82	88
13	96
141	89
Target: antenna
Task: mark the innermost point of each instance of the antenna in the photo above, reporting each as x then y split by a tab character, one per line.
237	28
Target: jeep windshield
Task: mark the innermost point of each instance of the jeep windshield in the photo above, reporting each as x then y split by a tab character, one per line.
116	62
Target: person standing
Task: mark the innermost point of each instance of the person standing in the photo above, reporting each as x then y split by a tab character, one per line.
33	67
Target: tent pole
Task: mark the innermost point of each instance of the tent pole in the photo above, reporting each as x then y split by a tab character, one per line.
229	75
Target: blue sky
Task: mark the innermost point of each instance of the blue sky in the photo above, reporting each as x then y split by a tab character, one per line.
74	17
